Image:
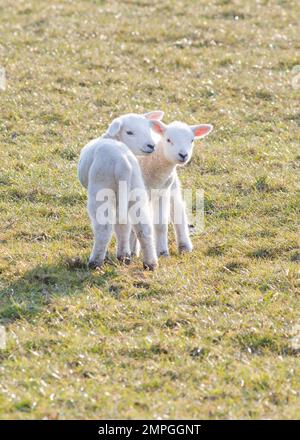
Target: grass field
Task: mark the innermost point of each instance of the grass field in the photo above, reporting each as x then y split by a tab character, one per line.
214	334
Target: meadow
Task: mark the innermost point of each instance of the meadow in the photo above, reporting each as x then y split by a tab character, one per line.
212	334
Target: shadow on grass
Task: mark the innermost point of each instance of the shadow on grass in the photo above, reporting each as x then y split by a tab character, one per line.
29	294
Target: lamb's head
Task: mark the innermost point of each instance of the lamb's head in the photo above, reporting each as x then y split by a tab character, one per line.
134	131
177	139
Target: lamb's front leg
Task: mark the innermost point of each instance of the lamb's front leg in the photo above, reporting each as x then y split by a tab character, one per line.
179	219
161	210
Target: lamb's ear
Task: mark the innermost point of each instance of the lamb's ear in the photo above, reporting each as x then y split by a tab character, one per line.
156	115
114	127
158	126
201	130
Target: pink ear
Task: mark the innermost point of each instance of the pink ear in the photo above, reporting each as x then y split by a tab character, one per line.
156	115
158	127
201	130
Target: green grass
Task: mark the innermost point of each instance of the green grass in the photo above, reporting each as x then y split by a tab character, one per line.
209	335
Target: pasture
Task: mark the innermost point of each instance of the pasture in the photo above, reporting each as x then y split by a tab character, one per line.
212	334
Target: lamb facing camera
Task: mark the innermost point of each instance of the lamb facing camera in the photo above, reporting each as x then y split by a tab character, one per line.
175	148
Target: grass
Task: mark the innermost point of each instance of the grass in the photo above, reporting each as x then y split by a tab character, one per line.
209	335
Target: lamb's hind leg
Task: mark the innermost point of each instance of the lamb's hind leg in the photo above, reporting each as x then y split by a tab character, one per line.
123	247
102	231
102	235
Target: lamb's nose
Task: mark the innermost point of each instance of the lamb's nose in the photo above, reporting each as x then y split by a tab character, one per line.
150	146
183	156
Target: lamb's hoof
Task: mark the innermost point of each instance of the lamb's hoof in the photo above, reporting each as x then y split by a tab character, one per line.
92	264
125	259
150	266
164	254
184	248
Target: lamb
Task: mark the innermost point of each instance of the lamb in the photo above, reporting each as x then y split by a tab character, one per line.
131	129
174	148
104	163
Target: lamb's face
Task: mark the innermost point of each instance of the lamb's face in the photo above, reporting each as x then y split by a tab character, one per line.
134	131
178	139
178	143
136	134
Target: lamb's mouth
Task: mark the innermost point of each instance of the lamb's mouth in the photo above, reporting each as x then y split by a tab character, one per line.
147	151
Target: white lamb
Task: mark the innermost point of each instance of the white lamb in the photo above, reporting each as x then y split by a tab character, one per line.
104	163
174	148
131	129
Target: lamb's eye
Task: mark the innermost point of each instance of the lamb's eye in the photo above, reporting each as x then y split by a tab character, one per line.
130	133
192	140
169	140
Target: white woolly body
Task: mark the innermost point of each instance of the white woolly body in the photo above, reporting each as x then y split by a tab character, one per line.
120	165
103	163
159	171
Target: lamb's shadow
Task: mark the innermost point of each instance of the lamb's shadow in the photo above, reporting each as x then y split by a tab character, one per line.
29	294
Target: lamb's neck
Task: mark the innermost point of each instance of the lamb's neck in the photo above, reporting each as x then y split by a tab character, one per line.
108	136
156	168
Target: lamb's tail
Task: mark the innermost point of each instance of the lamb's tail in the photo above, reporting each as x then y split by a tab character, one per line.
86	159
